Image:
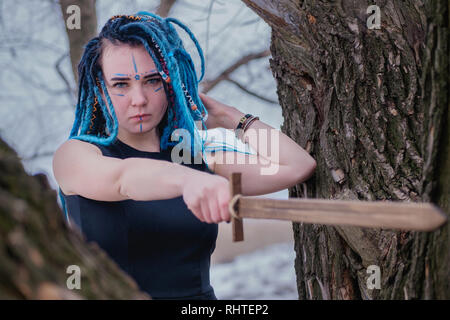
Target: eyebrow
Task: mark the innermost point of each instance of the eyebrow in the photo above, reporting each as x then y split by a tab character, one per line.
126	78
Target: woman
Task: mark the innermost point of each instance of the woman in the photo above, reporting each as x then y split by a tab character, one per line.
118	182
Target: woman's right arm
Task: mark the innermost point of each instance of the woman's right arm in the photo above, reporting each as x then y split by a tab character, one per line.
80	168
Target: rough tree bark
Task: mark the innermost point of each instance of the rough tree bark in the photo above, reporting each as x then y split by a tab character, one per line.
372	108
36	247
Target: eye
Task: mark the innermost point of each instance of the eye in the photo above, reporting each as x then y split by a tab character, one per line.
153	80
119	85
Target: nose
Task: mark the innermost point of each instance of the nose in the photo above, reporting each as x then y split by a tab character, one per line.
138	97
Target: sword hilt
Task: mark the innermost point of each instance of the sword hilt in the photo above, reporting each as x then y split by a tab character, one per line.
236	222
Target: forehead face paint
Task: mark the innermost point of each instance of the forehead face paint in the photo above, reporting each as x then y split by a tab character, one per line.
132	74
135	68
138	75
128	76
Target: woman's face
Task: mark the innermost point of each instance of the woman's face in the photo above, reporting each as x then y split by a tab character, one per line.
135	88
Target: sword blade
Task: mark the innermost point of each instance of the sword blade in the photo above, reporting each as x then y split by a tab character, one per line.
377	214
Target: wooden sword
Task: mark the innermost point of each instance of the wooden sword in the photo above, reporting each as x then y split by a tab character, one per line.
416	216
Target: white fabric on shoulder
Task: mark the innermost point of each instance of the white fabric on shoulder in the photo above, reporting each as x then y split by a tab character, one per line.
221	139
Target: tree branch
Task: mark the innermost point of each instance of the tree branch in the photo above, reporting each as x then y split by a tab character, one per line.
240	86
70	91
208	85
78	38
164	7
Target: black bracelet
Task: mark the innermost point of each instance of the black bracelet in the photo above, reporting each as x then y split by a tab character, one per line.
241	124
249	122
242	121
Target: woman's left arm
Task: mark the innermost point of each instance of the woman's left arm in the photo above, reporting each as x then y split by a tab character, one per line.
279	162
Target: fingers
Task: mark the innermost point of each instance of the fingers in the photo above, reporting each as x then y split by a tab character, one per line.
214	210
224	199
210	210
207	100
208	200
204	99
205	211
197	211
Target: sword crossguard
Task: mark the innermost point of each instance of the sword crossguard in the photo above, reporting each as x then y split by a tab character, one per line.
236	192
232	206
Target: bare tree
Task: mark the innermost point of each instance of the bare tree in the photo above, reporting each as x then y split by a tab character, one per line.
164	7
371	105
225	75
79	37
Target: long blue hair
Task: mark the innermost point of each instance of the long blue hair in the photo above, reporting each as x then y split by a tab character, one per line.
164	45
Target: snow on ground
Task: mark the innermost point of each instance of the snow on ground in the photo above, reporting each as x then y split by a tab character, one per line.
265	274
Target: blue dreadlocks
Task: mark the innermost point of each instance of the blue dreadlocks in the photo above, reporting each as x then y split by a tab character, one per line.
162	42
95	119
94	123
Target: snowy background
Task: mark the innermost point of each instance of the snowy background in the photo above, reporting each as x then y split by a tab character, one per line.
264	274
36	110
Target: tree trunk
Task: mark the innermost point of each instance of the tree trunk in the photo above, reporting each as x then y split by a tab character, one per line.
371	106
36	247
164	7
78	38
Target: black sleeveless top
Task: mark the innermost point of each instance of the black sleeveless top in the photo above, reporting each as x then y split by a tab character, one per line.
160	243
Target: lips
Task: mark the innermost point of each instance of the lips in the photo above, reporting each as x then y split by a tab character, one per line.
143	116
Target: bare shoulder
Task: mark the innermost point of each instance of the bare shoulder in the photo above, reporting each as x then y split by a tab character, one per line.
80	168
65	157
72	146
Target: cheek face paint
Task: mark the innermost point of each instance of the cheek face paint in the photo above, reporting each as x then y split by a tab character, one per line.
156	90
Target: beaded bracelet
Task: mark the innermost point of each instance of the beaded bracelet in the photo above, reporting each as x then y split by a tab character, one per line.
243	124
249	122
